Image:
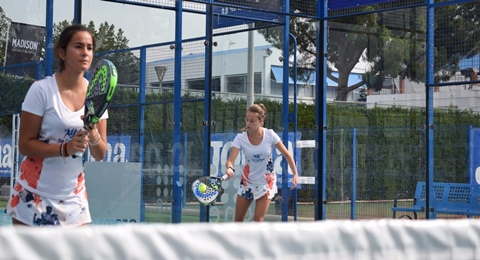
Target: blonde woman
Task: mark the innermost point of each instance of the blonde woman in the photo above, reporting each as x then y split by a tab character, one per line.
258	181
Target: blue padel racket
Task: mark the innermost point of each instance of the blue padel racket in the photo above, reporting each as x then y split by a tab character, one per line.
101	87
207	188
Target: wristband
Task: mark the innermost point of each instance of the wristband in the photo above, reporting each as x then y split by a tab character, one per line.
94	143
231	168
65	152
61	149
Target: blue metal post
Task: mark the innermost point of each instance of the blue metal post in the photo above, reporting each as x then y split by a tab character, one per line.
286	28
141	123
49	39
77	13
39	70
176	187
430	196
293	118
353	195
321	114
205	211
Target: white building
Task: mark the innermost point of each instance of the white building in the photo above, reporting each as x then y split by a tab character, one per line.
229	80
412	94
229	75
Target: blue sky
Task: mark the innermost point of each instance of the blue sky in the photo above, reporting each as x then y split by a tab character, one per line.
141	25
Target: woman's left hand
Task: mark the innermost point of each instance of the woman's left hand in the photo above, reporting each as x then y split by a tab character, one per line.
294	182
93	134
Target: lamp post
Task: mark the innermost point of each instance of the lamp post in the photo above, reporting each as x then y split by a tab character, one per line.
160	74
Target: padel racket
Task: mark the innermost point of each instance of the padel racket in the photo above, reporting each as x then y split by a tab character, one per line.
101	87
207	188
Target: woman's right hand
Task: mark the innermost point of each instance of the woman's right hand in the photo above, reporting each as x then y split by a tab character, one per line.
78	143
229	172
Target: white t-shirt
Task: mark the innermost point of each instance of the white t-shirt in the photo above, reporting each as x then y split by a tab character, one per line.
54	177
257	157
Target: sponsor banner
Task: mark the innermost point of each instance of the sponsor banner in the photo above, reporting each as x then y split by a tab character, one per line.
270	5
334	5
118	150
25	44
474	156
232	16
6	157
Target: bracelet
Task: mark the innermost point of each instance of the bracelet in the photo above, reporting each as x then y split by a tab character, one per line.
231	168
65	153
61	149
94	143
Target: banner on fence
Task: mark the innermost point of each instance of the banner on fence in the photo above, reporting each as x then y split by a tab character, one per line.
270	5
118	149
474	156
25	44
6	155
232	16
334	5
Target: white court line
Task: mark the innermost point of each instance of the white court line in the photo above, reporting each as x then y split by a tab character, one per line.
306	144
306	180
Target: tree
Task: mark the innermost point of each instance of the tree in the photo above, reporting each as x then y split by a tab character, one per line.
457	36
392	43
4	26
107	40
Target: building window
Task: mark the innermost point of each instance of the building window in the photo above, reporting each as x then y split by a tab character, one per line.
238	84
167	84
257	83
216	84
199	84
275	88
303	90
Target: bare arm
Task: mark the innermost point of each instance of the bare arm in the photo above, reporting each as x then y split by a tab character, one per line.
98	147
28	143
290	161
229	163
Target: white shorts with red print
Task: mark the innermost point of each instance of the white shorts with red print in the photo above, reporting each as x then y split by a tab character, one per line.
35	210
252	191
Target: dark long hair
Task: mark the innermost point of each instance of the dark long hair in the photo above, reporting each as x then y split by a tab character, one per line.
66	37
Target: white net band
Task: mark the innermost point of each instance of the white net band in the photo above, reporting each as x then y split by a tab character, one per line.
384	239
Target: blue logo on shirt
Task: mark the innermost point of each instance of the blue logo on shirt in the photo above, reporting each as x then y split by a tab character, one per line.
70	133
257	158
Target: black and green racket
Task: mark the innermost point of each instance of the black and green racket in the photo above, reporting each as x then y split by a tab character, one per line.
101	87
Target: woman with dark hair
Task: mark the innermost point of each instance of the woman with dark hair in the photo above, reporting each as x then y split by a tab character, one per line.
51	181
258	181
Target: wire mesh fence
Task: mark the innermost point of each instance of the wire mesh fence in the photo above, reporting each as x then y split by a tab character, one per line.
380	47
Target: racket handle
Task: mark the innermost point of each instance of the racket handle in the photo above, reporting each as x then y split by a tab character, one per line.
224	177
79	154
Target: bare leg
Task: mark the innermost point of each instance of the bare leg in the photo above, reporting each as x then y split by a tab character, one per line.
261	208
241	208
